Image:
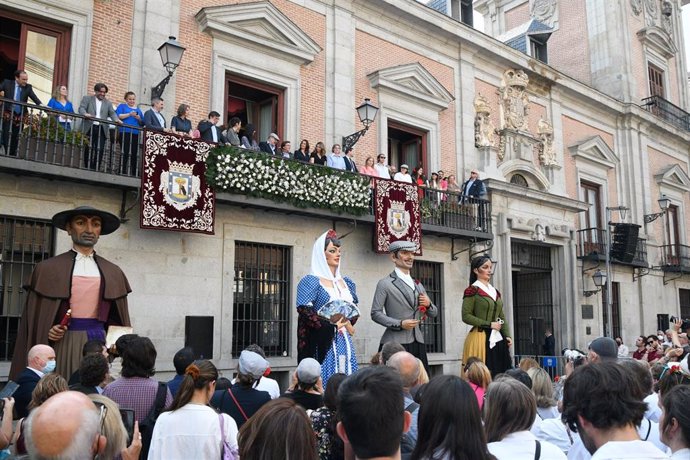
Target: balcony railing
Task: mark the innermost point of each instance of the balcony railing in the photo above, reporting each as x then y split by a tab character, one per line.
591	244
675	258
668	111
39	134
72	142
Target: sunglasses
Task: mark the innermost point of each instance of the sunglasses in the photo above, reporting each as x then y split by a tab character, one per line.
650	343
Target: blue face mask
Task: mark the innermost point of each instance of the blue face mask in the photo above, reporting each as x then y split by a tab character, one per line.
49	367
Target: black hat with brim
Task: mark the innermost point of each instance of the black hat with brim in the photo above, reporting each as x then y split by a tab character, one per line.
109	222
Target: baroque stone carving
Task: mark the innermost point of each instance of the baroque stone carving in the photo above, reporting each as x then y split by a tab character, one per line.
539	233
666	16
484	129
513	101
547	155
636	6
544	11
651	8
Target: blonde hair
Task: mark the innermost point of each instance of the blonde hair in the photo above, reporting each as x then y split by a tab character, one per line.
49	385
477	373
528	363
56	92
542	387
113	428
423	376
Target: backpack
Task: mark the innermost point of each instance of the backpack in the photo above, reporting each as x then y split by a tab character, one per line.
146	426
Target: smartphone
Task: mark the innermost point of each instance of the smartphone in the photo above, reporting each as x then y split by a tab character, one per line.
128	419
7	392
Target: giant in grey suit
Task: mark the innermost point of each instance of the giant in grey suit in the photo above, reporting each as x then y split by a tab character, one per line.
97	128
395	301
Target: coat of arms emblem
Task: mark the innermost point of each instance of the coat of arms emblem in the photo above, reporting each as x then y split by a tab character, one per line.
179	186
398	219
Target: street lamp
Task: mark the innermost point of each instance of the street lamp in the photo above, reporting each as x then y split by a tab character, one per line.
664	203
367	114
171	54
599	279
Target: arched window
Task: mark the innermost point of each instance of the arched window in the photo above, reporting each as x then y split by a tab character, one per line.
519	179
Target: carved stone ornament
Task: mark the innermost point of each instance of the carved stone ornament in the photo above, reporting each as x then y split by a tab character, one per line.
636	6
544	11
539	233
651	8
514	102
666	16
547	155
484	129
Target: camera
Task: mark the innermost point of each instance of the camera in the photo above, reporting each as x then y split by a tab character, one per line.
684	326
574	355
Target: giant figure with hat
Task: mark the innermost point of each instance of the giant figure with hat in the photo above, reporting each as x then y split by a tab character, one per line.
75	296
401	304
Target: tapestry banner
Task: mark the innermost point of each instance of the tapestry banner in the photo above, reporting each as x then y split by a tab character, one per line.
174	193
396	214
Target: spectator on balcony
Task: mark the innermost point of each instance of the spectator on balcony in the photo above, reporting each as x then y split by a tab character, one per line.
180	123
418	176
61	103
285	150
473	187
381	167
270	145
96	109
403	175
232	133
19	90
335	159
133	119
442	180
153	118
349	158
248	141
369	168
209	130
453	184
318	156
302	153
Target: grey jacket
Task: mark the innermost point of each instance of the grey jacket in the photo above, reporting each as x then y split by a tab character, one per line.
395	301
88	105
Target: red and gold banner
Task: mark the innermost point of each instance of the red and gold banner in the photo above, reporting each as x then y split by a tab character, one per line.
174	193
396	214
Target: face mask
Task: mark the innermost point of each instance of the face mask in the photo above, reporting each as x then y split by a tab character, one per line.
661	338
49	367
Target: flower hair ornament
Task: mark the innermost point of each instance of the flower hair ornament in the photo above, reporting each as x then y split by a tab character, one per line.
331	235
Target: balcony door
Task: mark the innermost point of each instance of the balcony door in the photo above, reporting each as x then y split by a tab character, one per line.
592	239
37	46
255	102
406	145
672	236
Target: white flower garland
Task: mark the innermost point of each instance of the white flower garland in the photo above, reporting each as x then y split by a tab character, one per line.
235	170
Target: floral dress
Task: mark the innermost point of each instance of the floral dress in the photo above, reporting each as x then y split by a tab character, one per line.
321	422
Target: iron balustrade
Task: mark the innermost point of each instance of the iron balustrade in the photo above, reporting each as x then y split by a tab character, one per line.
41	134
668	111
675	257
591	243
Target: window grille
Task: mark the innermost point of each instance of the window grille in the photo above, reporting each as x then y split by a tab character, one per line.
261	298
430	275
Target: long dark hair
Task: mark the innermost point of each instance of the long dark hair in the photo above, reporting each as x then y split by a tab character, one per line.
330	400
476	263
198	375
449	421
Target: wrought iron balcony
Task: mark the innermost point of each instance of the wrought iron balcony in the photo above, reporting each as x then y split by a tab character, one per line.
36	140
591	245
675	258
668	111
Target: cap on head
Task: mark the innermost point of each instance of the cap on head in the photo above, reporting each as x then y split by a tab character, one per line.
402	245
109	222
308	371
274	136
252	364
404	166
605	347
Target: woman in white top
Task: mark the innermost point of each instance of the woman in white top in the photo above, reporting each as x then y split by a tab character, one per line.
191	429
542	387
509	411
674	424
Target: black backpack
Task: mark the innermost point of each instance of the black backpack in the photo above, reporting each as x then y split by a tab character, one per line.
146	425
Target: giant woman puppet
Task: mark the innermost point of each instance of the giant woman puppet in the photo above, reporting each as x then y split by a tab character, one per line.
326	303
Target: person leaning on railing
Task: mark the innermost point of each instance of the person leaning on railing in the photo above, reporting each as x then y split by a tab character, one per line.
19	90
133	118
61	103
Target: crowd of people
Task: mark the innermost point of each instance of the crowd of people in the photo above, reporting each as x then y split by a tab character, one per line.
603	407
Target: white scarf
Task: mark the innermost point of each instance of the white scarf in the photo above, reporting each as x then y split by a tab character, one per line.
319	266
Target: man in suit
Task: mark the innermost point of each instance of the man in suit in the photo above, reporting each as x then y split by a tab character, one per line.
270	145
97	109
209	131
153	118
41	361
473	190
19	90
231	134
401	303
350	160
